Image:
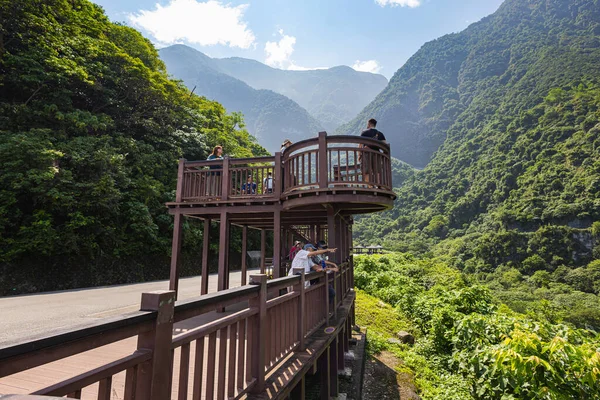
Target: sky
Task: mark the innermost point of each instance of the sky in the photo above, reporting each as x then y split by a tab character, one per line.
369	35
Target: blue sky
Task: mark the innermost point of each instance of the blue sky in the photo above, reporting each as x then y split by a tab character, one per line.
371	35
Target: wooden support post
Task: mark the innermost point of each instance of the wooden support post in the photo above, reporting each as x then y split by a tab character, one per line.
154	376
277	175
205	250
299	391
244	252
276	243
323	363
257	363
341	340
322	158
326	297
301	306
223	251
334	388
225	184
176	252
263	249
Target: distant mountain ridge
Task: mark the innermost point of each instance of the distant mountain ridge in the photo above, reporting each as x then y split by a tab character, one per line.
478	68
268	115
330	96
333	96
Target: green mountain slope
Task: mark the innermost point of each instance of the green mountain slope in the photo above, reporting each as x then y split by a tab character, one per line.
333	96
269	116
510	59
516	181
91	129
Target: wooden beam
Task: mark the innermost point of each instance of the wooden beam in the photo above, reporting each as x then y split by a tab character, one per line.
244	251
276	243
263	249
176	253
205	250
223	251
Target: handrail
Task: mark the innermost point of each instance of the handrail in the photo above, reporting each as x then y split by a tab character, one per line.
341	162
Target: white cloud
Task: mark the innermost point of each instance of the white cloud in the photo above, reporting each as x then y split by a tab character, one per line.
204	23
401	3
279	54
367	66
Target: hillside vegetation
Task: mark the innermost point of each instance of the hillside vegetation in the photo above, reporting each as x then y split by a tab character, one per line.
515	186
455	88
91	129
469	345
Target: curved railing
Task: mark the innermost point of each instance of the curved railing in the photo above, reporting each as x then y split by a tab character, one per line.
337	162
317	164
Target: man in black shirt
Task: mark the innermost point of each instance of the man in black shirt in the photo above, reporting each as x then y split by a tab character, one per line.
371	163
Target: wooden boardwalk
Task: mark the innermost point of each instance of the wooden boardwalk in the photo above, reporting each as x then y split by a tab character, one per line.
43	376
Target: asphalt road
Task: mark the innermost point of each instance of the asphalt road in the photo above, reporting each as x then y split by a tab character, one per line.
29	317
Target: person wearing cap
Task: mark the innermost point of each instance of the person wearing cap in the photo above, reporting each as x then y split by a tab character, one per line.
286	143
295	249
303	259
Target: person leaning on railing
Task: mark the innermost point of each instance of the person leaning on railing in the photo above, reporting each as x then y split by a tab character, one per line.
303	259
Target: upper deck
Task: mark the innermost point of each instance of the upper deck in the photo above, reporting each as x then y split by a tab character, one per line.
351	171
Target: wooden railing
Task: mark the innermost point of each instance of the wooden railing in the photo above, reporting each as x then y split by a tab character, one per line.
226	357
325	162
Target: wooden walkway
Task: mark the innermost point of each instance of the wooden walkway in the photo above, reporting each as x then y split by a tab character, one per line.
43	376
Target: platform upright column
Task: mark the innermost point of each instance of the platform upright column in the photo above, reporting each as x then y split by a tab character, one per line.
276	243
175	253
244	251
263	250
223	279
205	250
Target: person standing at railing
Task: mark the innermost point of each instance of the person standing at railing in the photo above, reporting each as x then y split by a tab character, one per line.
249	187
286	143
268	183
214	178
368	160
326	265
303	259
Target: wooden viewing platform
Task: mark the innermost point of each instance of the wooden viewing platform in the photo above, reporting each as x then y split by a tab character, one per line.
257	341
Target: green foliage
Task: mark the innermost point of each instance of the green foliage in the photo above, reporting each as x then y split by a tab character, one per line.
468	347
91	131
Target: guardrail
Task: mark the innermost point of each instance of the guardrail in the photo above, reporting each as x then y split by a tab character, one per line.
325	162
226	357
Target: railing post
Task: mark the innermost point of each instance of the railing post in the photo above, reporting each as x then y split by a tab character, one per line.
278	186
225	184
337	294
326	292
323	167
257	364
154	376
180	174
300	288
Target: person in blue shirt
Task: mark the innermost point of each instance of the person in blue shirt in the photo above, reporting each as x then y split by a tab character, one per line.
249	187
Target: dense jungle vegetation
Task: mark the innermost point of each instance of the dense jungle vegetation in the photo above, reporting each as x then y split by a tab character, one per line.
469	343
91	129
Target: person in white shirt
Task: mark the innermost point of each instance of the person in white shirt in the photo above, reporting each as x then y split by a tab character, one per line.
268	183
303	259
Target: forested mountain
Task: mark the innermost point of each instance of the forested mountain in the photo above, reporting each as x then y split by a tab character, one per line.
516	185
333	96
91	129
269	116
454	85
